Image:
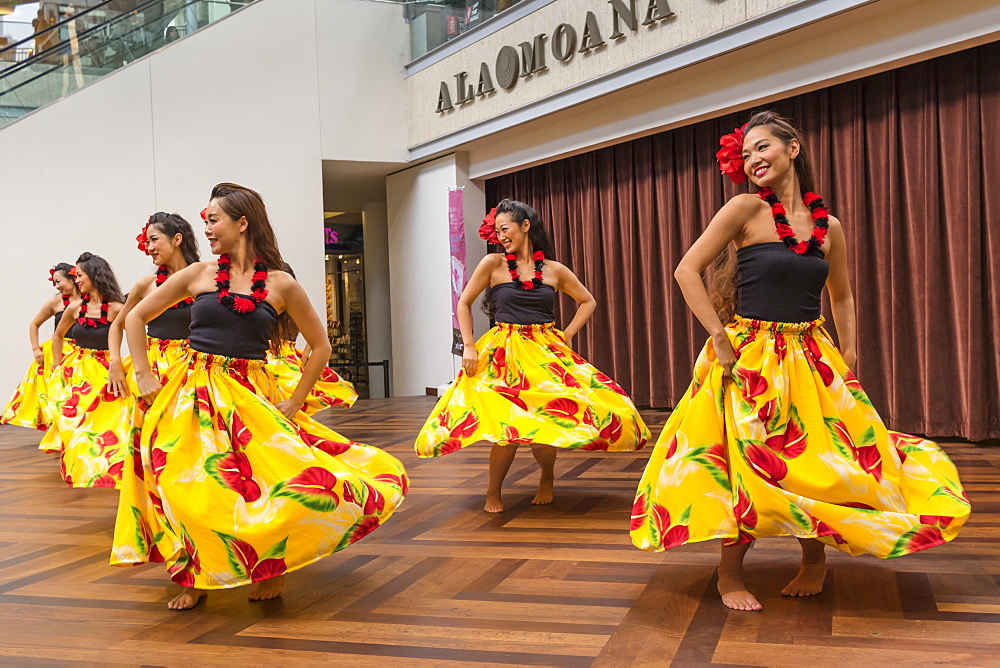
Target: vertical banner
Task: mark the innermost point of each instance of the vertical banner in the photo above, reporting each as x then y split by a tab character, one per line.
456	246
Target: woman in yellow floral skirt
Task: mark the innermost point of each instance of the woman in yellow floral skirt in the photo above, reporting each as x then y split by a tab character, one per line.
522	383
775	436
30	405
90	424
286	363
232	484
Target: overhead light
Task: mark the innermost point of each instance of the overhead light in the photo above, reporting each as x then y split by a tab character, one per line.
326	257
340	257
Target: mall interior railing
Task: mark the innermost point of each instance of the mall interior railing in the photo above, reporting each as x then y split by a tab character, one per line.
76	55
436	22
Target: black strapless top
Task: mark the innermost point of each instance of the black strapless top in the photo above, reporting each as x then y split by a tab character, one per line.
777	284
524	307
95	338
217	330
174	323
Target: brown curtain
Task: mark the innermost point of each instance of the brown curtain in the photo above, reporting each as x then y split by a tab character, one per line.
907	159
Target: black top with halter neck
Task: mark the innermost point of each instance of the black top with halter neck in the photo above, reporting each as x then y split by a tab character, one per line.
95	338
517	306
56	318
777	284
174	323
218	330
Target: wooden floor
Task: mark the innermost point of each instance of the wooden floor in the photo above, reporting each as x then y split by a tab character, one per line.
444	583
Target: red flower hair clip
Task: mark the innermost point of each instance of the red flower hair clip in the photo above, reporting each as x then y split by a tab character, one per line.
143	241
488	230
730	156
52	275
203	216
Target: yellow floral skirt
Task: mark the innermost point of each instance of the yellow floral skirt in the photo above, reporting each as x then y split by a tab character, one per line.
90	425
792	446
30	406
329	391
530	387
227	491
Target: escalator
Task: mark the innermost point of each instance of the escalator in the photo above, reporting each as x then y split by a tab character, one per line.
92	43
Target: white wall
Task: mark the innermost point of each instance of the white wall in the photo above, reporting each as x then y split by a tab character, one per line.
419	270
258	98
378	306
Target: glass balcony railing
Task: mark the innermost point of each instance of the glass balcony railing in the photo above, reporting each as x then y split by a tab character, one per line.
73	55
436	22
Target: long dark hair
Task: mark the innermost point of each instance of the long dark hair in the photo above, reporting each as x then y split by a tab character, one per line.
171	224
537	236
238	201
723	282
102	276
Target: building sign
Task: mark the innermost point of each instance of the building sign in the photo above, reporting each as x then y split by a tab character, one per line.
565	41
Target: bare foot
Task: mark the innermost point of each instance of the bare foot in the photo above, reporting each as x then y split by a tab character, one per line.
187	599
808	582
735	595
268	589
493	504
545	493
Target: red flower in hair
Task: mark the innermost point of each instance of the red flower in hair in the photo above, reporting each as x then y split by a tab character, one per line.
730	156
203	216
52	275
488	230
143	244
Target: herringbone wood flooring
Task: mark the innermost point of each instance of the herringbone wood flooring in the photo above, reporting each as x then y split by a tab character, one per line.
443	583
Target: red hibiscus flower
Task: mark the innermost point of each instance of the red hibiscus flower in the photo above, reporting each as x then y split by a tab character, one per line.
613	430
639	509
158	459
106	481
730	156
941	521
577	358
235	472
183	576
329	375
313	488
766	412
107	440
241	436
512	435
563	411
333	448
716	454
922	538
672	448
499	360
676	535
607	382
780	346
751	383
361	528
449	445
812	347
560	372
466	427
745	513
870	460
202	401
824	529
766	464
660	517
511	394
791	442
825	373
488	229
115	470
399	482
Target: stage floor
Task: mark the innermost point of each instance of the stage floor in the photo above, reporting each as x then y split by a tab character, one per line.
444	583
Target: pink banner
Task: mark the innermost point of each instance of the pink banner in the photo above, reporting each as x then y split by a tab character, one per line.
456	245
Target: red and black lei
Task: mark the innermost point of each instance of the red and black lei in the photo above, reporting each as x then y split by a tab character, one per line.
161	277
84	321
258	289
818	211
515	275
